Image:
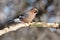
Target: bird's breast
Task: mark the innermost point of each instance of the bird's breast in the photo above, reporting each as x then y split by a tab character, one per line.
29	17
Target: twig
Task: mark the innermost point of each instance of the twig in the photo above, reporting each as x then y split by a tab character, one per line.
42	24
14	27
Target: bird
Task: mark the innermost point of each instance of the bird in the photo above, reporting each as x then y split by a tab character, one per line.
29	15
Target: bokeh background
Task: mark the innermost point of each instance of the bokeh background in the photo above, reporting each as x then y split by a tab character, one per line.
48	11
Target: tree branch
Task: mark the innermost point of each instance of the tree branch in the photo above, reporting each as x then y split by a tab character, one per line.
16	26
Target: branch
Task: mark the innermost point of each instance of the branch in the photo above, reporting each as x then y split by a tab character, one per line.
42	24
14	27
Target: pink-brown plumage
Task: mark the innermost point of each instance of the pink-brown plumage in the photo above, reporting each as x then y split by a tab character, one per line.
29	15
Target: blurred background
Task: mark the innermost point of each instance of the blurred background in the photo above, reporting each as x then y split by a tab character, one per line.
48	11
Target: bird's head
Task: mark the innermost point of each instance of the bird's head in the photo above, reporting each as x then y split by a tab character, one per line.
34	10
